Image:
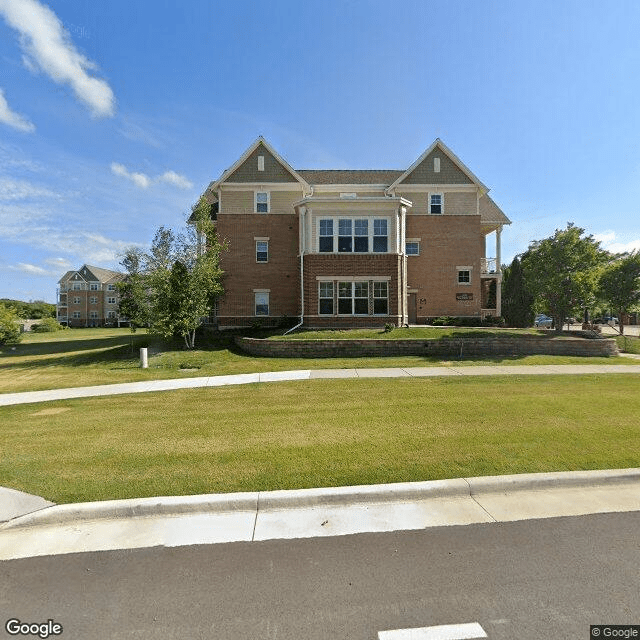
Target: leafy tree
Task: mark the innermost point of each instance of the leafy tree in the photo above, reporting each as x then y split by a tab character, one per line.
9	327
175	285
562	272
619	285
517	301
134	302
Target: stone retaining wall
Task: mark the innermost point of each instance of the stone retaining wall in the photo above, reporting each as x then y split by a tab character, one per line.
458	347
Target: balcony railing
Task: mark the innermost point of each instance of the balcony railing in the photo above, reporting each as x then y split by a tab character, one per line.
488	266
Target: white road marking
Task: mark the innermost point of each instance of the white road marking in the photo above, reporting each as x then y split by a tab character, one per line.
441	632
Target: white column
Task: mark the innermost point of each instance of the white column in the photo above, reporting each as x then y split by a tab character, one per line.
499	272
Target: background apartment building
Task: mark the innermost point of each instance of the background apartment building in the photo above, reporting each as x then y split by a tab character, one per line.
88	297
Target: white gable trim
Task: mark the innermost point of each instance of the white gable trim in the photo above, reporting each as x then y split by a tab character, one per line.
452	156
247	153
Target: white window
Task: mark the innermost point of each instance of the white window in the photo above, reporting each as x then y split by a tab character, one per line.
262	303
412	248
93	286
76	301
381	298
93	300
354	235
326	298
93	315
75	314
464	276
326	236
77	286
111	287
260	163
435	203
380	236
436	165
111	315
111	300
262	251
262	201
353	298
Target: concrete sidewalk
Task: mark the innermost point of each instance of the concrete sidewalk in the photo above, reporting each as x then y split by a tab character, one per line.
7	399
253	516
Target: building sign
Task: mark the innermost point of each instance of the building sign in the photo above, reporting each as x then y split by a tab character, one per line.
464	296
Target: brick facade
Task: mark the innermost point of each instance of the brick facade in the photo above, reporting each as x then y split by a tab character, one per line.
418	286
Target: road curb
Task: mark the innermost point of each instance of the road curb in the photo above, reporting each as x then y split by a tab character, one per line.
256	502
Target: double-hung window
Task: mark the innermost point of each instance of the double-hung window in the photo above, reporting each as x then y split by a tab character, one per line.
93	286
111	300
262	202
464	276
345	237
353	298
380	236
262	251
326	236
435	203
326	298
93	300
361	236
262	303
76	301
380	298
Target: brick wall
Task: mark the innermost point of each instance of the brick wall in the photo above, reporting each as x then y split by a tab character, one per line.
281	274
499	345
446	241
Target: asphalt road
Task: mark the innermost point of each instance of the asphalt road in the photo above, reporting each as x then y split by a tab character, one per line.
537	579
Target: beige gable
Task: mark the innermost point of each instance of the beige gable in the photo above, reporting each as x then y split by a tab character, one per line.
273	169
449	172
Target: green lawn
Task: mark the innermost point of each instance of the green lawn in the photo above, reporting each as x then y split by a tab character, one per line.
318	433
80	357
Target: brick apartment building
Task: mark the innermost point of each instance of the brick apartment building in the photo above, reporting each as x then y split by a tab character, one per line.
345	248
88	297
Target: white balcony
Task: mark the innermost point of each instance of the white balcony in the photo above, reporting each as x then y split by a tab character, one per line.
488	267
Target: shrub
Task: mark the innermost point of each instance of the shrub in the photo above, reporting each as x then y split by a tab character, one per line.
9	327
46	325
389	327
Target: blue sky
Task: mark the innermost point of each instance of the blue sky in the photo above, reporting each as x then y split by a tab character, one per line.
114	116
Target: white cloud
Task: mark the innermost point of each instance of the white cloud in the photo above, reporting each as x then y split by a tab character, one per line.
610	242
11	189
143	181
176	179
139	179
58	263
30	269
12	118
47	46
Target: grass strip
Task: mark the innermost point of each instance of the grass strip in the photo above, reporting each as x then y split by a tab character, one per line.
318	433
83	357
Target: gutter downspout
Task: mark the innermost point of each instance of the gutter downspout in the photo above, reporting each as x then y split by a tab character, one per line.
302	246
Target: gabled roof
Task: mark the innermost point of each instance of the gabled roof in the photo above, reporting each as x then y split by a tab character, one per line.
490	212
350	176
259	141
89	273
452	156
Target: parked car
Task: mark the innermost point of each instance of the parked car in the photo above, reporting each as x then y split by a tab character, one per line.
542	321
611	320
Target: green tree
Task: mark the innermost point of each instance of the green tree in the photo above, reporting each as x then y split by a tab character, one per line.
562	272
517	301
9	327
175	285
134	301
619	285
